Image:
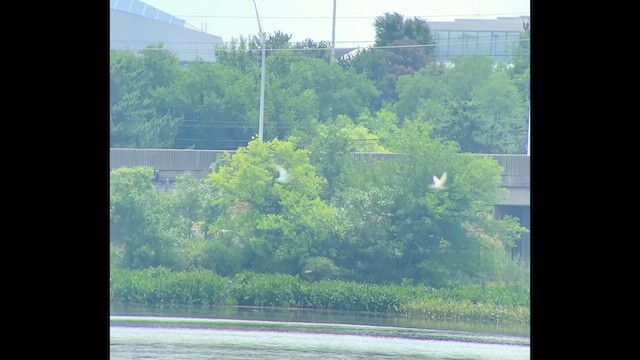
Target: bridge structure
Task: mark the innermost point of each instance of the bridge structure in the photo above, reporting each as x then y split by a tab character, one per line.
171	163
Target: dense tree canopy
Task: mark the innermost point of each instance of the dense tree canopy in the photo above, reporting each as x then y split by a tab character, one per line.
370	220
158	103
136	83
373	220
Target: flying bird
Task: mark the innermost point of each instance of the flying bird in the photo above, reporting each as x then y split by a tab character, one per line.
438	183
284	175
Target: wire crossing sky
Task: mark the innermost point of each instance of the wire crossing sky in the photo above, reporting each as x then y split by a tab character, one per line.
312	19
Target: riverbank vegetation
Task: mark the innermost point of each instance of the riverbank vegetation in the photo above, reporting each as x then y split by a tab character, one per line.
366	235
380	240
493	302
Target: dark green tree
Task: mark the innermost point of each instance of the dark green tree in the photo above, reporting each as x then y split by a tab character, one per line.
403	229
137	82
308	47
277	226
219	105
135	228
407	46
236	54
302	89
521	57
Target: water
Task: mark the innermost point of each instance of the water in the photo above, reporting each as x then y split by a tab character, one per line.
237	333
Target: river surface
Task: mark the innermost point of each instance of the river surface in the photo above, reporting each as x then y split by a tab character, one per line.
258	333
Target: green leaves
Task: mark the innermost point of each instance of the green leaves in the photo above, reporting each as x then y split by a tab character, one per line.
480	108
290	217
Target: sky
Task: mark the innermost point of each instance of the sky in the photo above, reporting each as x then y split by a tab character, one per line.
312	19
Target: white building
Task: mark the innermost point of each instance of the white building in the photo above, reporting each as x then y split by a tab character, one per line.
489	37
134	25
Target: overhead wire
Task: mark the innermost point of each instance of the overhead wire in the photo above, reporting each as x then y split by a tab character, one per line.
217	49
524	13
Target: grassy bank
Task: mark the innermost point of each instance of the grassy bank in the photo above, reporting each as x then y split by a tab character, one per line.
506	303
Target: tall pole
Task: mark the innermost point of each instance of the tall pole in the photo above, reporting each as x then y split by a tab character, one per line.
262	76
529	135
333	33
525	25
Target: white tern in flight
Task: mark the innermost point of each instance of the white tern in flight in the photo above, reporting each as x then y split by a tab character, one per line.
438	183
284	175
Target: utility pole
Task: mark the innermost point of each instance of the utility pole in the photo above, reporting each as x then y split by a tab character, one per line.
262	76
529	135
333	34
526	27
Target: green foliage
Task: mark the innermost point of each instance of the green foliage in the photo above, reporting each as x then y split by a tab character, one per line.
375	221
496	302
116	257
436	237
423	84
381	123
394	30
330	150
467	73
266	290
378	212
319	268
218	104
148	228
502	113
131	200
332	144
157	103
393	27
502	302
136	83
479	108
236	54
454	119
359	136
311	44
383	66
337	92
158	286
521	71
467	311
275	224
372	64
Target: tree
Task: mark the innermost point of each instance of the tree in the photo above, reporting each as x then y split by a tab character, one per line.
467	73
418	233
471	103
456	120
134	227
183	217
502	115
417	87
331	146
219	105
276	226
413	50
184	209
301	89
321	50
236	54
278	40
521	55
137	82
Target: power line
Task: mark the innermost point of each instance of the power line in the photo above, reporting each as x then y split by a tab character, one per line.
319	49
348	17
213	124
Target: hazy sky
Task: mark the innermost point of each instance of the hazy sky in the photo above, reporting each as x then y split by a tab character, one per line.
313	18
